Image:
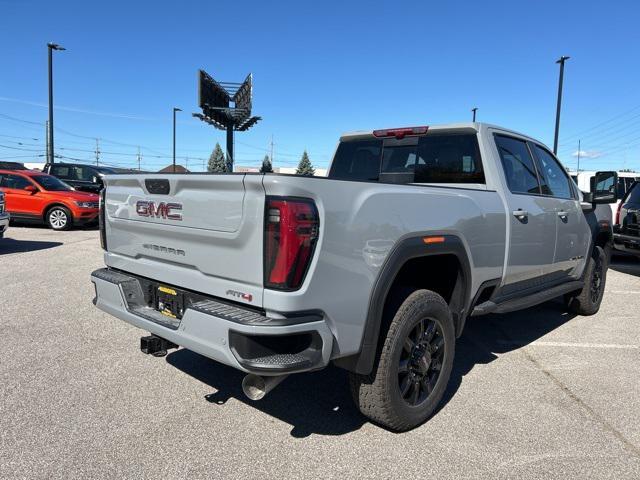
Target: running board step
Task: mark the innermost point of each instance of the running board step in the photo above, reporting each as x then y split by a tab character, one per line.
525	302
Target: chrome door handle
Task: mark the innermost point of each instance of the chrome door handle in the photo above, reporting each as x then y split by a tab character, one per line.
520	214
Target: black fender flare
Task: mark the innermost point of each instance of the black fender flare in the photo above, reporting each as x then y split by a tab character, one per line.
407	249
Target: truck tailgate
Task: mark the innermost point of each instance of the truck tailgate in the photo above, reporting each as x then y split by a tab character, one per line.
205	234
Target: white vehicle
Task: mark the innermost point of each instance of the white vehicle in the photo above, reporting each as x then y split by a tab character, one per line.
585	178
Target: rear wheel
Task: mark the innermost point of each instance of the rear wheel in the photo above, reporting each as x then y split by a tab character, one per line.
587	301
59	218
415	363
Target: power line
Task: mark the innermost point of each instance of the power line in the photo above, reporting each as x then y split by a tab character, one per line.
581	133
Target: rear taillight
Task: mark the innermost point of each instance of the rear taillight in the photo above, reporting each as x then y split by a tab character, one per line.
102	220
291	231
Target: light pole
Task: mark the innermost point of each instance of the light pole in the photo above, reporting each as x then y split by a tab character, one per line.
561	61
175	109
51	47
474	110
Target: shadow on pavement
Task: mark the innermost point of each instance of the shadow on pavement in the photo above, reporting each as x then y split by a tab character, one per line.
321	403
317	402
9	245
486	336
626	264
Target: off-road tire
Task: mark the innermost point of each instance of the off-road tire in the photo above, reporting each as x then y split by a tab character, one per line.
378	395
587	301
55	218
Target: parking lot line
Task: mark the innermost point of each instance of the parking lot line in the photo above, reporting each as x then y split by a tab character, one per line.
570	344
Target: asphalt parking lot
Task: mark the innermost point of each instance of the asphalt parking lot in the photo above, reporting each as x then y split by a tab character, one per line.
537	393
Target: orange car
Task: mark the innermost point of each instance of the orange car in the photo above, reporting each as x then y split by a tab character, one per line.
33	196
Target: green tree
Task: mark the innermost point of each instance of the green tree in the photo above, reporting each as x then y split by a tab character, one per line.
305	167
217	162
266	165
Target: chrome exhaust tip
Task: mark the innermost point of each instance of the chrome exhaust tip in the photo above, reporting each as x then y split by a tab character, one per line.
256	387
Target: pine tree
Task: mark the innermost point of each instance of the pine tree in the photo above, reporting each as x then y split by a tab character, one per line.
217	162
305	167
266	165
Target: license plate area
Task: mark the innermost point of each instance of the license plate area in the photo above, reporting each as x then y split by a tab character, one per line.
168	301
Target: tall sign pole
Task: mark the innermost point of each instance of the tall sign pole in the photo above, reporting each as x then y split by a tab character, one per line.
561	61
226	106
51	47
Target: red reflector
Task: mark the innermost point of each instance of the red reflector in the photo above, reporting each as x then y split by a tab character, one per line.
400	133
429	240
291	231
618	214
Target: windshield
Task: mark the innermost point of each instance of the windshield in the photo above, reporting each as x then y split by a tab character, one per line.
634	194
51	183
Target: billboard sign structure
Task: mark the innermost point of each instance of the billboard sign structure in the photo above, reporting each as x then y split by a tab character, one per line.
216	98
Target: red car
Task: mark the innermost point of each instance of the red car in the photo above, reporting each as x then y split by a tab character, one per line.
37	197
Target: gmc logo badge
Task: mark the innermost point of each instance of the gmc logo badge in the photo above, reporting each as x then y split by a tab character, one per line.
161	210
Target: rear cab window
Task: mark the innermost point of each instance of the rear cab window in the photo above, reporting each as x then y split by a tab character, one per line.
449	158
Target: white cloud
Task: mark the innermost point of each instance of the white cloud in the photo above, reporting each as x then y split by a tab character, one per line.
586	154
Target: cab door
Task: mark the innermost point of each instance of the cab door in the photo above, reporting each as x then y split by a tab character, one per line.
573	233
531	217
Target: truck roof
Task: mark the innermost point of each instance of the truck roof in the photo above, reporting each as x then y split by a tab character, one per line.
475	126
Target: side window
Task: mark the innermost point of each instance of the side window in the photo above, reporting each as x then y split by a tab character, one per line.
554	179
60	171
84	173
449	159
518	165
15	181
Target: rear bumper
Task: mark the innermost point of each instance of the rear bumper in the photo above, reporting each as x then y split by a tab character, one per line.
230	334
4	223
626	243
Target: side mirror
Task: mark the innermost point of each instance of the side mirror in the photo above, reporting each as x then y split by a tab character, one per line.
604	188
31	189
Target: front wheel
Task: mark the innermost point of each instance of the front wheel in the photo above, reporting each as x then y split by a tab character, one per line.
414	366
59	218
587	301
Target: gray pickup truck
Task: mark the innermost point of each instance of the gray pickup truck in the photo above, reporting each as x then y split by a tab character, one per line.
375	268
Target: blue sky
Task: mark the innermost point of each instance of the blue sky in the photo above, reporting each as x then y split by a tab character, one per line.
319	69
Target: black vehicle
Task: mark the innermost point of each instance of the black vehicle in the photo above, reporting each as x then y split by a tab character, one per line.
82	177
12	166
626	236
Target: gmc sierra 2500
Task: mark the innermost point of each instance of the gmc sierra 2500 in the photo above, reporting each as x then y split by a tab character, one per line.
375	268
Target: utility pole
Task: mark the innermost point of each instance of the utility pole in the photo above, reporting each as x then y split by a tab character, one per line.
203	169
51	47
579	156
561	61
139	158
474	110
97	152
271	157
175	109
186	163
